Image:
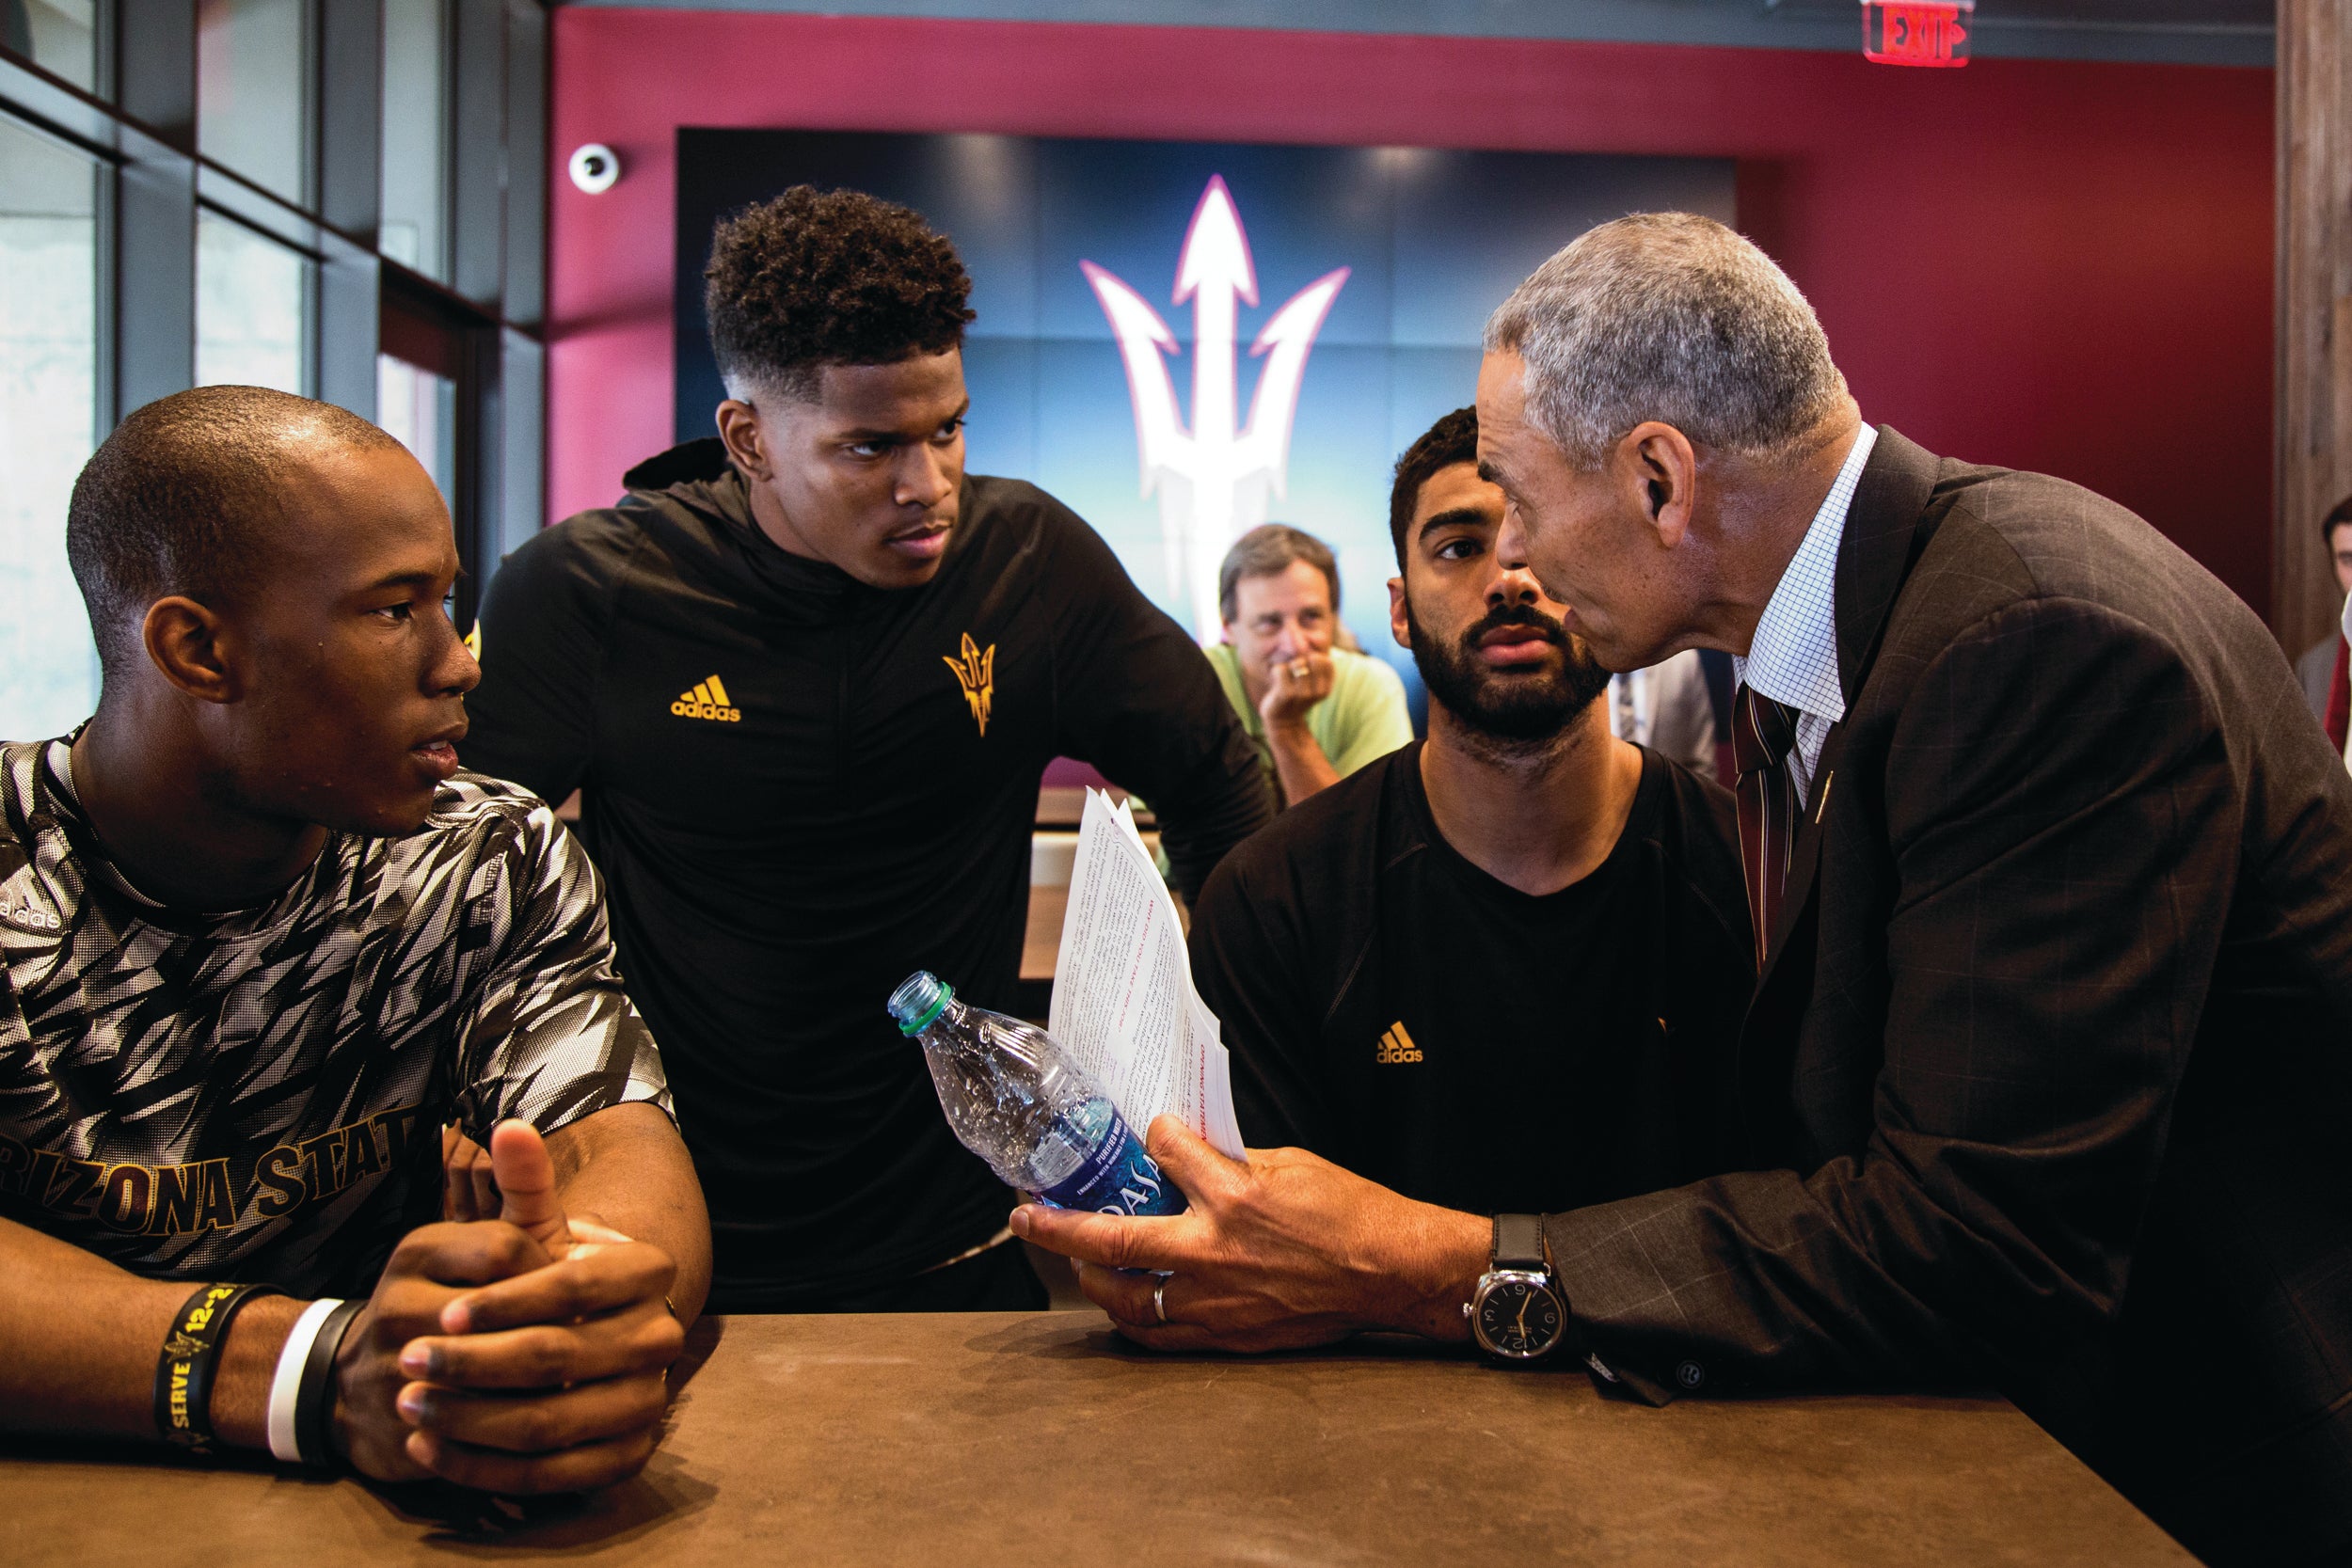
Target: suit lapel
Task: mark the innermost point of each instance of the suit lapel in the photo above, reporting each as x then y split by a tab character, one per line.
1874	556
1805	854
1885	529
1768	1036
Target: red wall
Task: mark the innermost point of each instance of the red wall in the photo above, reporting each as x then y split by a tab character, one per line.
2052	266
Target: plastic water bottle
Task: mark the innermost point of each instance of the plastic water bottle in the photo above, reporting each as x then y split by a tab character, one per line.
1019	1102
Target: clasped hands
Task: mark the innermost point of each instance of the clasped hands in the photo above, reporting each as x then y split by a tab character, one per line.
513	1349
1283	1251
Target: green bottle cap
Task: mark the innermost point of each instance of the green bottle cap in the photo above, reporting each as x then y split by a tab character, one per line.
921	997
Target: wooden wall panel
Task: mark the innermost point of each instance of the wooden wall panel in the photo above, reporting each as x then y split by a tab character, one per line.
2314	398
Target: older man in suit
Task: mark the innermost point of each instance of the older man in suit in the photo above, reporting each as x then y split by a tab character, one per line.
2047	1068
2046	1078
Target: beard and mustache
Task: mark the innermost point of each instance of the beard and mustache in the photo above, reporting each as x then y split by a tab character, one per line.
1522	704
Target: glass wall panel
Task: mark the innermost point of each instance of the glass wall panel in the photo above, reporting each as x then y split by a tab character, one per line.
252	307
48	427
414	229
59	35
419	409
125	276
254	85
522	385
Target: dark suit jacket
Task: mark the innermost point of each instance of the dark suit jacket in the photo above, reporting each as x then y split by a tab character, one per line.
2047	1081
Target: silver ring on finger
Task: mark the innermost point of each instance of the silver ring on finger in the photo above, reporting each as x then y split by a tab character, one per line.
1159	1298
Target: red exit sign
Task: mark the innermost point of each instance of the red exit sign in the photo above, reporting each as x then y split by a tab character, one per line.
1907	32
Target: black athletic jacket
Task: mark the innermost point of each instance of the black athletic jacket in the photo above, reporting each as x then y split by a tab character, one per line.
800	788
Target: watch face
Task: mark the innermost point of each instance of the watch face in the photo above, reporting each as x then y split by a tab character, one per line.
1518	1316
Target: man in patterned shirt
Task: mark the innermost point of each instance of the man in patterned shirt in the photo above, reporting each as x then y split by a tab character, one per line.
259	940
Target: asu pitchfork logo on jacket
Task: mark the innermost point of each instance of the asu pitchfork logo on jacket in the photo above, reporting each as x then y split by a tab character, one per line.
708	700
975	672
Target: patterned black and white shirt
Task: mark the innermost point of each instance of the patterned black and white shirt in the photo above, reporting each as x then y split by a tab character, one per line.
259	1095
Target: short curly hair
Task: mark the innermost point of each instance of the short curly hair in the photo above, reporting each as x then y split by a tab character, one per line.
1453	439
828	278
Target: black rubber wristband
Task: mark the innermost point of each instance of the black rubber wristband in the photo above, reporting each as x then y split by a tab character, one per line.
314	1396
191	1354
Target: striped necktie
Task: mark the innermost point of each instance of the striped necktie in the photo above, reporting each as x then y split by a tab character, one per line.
1762	730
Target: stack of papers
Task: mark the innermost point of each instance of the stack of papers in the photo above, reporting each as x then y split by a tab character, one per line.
1123	1003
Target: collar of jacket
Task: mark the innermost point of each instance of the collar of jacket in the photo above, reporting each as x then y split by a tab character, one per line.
693	504
1886	526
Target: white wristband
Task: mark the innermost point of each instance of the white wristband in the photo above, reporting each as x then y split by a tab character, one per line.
286	1383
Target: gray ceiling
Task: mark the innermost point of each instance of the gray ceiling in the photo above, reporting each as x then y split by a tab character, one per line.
2192	32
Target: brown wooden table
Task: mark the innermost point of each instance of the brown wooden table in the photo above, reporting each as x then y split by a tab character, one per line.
1036	1441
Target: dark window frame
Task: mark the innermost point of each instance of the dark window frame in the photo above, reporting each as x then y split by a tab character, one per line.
141	125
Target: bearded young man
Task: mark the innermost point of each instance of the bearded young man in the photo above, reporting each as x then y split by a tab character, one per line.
805	677
1501	971
260	939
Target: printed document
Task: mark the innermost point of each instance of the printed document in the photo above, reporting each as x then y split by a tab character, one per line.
1123	1003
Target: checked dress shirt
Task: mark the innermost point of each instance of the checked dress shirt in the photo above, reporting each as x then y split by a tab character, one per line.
1789	696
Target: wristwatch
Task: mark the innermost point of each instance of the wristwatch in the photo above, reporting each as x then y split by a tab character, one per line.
1519	1312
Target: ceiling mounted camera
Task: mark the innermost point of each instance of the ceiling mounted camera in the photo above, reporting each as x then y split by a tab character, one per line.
594	167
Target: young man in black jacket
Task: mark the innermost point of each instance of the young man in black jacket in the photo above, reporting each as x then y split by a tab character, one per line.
807	676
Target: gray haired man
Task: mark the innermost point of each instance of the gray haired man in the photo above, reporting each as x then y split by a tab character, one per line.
2044	1080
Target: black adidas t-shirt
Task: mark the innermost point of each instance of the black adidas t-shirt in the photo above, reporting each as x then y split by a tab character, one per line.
799	790
1402	1013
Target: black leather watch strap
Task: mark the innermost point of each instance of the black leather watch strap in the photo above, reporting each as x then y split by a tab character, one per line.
1519	1243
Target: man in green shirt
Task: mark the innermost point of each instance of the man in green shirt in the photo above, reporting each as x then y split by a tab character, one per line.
1315	712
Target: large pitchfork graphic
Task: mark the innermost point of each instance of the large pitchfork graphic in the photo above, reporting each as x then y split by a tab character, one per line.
1213	480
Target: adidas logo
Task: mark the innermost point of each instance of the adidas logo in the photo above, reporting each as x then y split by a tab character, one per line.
1396	1045
708	700
31	919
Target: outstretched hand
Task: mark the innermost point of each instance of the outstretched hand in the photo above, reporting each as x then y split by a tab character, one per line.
1283	1251
522	1353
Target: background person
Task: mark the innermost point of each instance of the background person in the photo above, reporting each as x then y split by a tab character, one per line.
1668	708
2323	667
1316	712
1502	971
259	940
805	677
